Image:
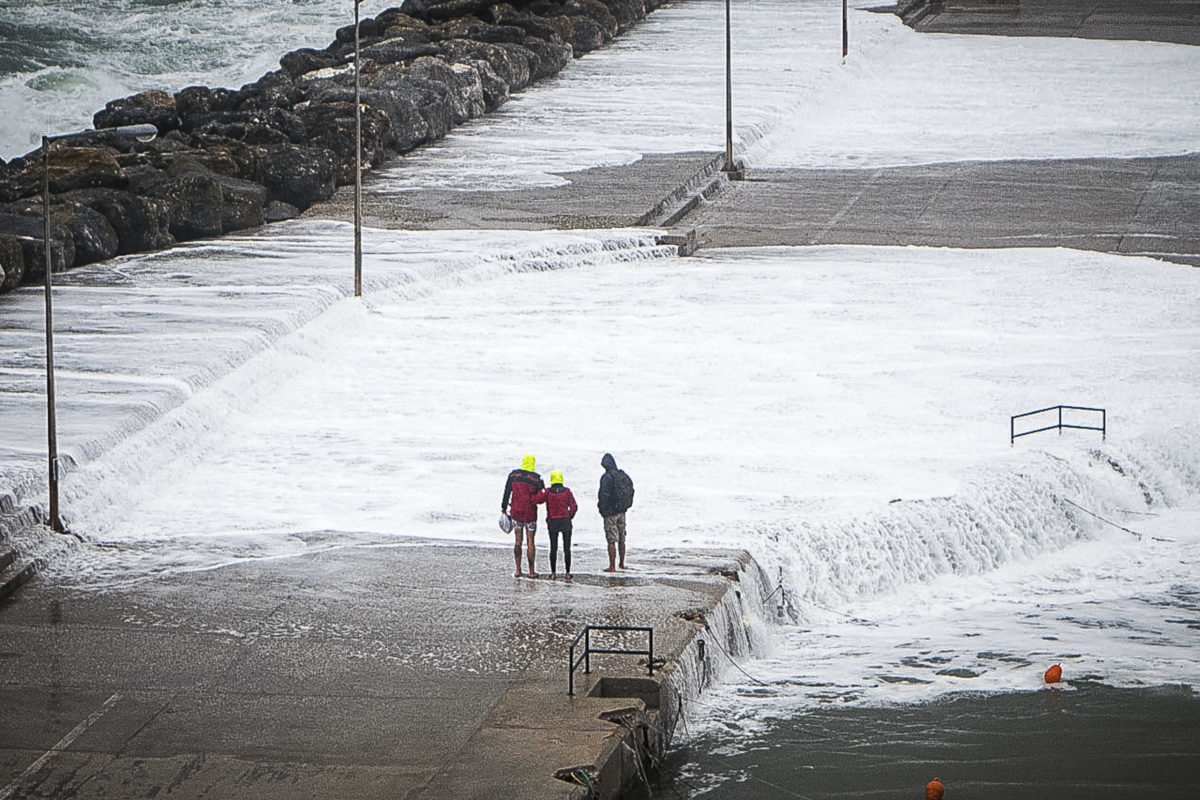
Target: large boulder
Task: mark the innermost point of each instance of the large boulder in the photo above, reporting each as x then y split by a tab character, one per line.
273	90
199	100
255	126
242	203
278	211
385	91
28	232
224	156
495	90
18	183
464	89
81	168
12	262
528	63
510	69
141	223
552	56
154	108
450	9
504	14
595	11
92	235
496	34
435	101
397	18
393	51
305	60
625	12
299	175
331	126
586	35
193	201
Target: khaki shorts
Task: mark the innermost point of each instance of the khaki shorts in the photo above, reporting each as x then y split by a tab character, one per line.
614	528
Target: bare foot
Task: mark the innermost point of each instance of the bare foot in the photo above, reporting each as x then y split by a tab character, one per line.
621	567
532	574
610	569
553	576
567	576
518	574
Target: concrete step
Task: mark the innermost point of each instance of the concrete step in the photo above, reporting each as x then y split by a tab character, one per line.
16	572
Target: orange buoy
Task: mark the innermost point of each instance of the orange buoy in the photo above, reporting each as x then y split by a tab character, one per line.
1054	674
934	789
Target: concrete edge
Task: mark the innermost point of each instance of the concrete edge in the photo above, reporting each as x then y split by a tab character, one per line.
911	12
17	524
683	199
646	726
16	571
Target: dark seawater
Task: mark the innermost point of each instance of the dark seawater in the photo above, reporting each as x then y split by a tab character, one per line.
62	60
1083	742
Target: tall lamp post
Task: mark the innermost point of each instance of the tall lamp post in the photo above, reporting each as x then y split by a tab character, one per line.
145	133
731	169
357	166
845	32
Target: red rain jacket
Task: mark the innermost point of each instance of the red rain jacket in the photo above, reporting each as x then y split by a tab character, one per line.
560	503
522	487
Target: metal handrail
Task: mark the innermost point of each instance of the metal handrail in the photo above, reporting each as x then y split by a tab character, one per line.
585	657
1012	422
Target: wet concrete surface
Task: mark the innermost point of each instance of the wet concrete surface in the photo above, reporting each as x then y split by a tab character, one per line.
1156	20
416	671
643	193
1138	206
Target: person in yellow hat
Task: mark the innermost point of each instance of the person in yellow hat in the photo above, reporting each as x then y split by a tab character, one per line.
522	486
560	510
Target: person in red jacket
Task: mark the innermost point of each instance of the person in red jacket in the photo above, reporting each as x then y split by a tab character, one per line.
518	502
560	510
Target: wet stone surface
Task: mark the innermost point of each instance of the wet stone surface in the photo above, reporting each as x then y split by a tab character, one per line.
366	670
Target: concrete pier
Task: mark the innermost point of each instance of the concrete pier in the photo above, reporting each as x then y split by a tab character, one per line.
363	670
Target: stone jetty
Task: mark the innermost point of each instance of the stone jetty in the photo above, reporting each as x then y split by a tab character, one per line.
227	159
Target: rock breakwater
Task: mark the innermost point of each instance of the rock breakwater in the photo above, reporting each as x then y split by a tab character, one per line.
227	160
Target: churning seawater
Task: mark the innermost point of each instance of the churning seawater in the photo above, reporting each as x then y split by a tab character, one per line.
61	61
923	626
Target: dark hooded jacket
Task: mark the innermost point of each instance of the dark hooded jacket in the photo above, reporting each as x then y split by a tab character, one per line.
610	499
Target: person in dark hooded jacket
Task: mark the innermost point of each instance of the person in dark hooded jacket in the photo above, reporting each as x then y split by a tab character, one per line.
615	498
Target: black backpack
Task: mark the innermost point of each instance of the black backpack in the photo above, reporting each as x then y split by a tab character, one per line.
622	490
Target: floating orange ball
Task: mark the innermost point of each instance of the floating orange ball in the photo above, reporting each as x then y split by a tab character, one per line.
934	789
1054	674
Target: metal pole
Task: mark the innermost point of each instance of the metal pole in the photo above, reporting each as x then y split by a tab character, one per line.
845	32
357	167
650	656
51	430
146	132
729	166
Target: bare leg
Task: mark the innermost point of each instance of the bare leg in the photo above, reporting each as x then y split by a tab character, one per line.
621	549
612	557
531	553
517	553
